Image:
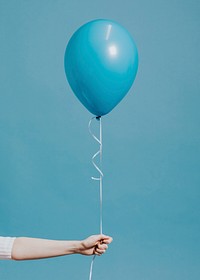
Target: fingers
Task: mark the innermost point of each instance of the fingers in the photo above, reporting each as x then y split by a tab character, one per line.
107	240
99	252
100	248
104	238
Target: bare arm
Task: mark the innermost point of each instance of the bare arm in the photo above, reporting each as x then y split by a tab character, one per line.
34	248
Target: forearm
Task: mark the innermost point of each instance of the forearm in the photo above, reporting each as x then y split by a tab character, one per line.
34	248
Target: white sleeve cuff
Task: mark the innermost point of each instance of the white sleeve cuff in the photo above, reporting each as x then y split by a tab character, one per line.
6	244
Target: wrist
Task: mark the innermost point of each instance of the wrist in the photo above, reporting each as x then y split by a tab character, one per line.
73	247
79	247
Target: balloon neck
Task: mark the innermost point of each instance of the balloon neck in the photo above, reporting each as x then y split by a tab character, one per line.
98	118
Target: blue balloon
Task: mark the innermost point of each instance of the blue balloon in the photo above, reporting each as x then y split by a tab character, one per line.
101	62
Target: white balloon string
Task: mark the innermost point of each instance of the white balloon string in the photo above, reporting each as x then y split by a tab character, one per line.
100	178
91	267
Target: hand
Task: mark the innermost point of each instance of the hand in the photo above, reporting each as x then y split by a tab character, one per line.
95	245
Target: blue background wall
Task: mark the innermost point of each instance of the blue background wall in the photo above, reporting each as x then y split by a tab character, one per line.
151	142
